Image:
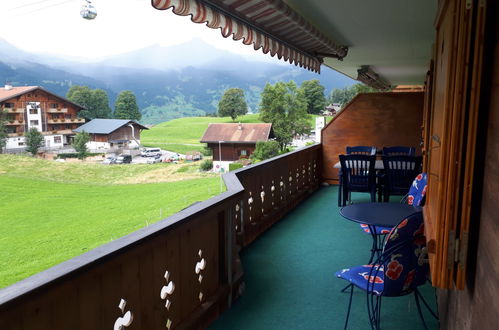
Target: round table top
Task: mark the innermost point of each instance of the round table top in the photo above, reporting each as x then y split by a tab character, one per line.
379	214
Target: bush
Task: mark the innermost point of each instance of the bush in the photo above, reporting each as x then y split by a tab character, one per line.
206	165
207	151
266	150
234	166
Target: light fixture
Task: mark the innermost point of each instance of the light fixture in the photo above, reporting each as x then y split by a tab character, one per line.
366	75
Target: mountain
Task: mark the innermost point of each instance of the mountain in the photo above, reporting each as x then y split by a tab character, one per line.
169	82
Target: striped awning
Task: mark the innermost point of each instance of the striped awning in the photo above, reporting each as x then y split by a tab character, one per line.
270	25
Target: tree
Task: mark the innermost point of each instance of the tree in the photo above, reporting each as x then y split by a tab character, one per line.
284	105
232	104
345	95
313	92
34	140
126	106
265	150
95	101
80	144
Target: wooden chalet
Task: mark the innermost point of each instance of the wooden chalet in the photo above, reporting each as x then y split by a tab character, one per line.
110	133
235	140
33	106
184	271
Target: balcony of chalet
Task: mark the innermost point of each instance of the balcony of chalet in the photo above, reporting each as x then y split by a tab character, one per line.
261	255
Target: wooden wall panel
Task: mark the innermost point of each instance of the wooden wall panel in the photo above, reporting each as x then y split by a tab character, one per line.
379	119
477	306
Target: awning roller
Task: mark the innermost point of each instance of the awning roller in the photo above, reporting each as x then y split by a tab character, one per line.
270	25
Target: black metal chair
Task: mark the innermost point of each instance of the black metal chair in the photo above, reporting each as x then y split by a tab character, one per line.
400	171
361	150
356	150
358	175
399	151
393	151
400	270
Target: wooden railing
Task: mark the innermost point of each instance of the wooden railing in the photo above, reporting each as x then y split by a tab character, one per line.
181	272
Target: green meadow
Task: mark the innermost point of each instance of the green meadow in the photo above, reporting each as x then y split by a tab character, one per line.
51	212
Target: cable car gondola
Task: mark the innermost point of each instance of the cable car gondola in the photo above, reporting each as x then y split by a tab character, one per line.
88	11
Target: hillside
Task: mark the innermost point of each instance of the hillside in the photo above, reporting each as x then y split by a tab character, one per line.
169	82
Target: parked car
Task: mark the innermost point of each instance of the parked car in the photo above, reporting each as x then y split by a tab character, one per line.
124	159
109	160
154	160
150	152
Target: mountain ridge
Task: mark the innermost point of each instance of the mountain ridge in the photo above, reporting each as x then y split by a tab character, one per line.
166	87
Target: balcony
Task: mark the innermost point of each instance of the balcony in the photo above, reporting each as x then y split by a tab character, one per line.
57	110
191	262
14	110
66	121
60	131
14	122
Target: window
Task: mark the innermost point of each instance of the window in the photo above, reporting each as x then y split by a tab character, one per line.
58	139
9	105
33	122
68	126
33	111
54	105
67	116
20	144
244	153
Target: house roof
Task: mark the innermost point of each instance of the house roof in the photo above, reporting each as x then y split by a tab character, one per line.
237	133
12	92
105	126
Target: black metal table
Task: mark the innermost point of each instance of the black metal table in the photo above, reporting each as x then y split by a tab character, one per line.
378	215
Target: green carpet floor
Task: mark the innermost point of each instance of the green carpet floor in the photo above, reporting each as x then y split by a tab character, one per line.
289	275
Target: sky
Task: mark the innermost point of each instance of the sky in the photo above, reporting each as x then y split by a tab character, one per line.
56	27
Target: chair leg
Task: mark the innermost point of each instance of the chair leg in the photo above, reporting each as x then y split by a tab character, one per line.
419	310
345	288
349	306
340	191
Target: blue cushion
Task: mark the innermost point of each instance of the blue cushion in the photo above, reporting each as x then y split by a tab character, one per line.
417	190
358	276
379	230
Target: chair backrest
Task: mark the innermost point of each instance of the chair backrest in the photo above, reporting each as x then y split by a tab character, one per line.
417	191
404	257
399	151
358	170
400	171
361	150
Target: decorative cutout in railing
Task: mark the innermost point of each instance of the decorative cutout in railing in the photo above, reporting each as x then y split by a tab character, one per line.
200	266
166	292
125	320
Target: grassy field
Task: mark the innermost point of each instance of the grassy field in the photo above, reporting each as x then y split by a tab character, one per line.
182	135
53	211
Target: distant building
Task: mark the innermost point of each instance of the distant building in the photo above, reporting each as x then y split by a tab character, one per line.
110	133
331	109
32	106
230	142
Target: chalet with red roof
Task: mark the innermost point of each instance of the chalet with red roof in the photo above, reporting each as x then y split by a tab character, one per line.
32	106
230	142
